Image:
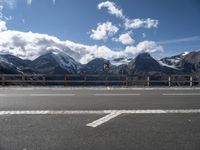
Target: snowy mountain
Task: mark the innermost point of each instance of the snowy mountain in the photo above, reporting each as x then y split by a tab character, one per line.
191	62
8	68
61	63
55	63
120	61
174	61
96	66
145	63
15	64
187	62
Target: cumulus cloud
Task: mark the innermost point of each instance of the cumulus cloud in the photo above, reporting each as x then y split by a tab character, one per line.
28	45
144	35
9	3
113	9
29	2
145	46
125	39
141	23
2	26
103	31
1	11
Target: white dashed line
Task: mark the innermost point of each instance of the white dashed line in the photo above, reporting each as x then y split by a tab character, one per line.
50	112
181	94
116	94
47	95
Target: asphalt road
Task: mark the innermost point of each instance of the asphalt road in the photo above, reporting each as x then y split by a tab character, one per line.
99	119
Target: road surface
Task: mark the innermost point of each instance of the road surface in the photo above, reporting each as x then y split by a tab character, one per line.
99	119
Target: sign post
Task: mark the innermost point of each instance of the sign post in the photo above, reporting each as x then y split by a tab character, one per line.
106	68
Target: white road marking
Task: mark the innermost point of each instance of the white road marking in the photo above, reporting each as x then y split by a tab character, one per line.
156	111
46	95
50	112
181	94
116	94
86	112
110	113
57	88
103	120
2	95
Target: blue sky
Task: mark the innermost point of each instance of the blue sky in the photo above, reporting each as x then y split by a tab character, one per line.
175	23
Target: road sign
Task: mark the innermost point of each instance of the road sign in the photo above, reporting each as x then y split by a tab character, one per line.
106	67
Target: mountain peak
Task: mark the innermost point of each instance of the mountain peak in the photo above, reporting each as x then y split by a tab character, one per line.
144	55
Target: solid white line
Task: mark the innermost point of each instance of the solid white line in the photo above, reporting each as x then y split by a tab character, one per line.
116	94
86	112
103	120
50	112
181	94
2	95
46	95
156	111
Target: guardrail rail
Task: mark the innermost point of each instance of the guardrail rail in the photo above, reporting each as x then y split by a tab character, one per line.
100	80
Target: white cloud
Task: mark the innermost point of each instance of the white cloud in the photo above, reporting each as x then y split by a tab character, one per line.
103	31
145	46
2	26
28	45
29	2
144	35
54	2
128	23
10	3
181	40
125	39
112	8
23	20
141	23
1	10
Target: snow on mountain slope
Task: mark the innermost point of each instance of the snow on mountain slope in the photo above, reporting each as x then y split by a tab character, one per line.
54	62
174	61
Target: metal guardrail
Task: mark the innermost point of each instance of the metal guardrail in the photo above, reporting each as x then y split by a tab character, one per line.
103	79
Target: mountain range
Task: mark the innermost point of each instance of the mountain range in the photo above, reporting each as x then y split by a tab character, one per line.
61	63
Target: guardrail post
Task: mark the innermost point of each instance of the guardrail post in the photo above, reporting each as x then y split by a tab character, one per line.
191	81
85	80
23	80
44	80
169	80
65	80
3	80
127	80
106	81
148	81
